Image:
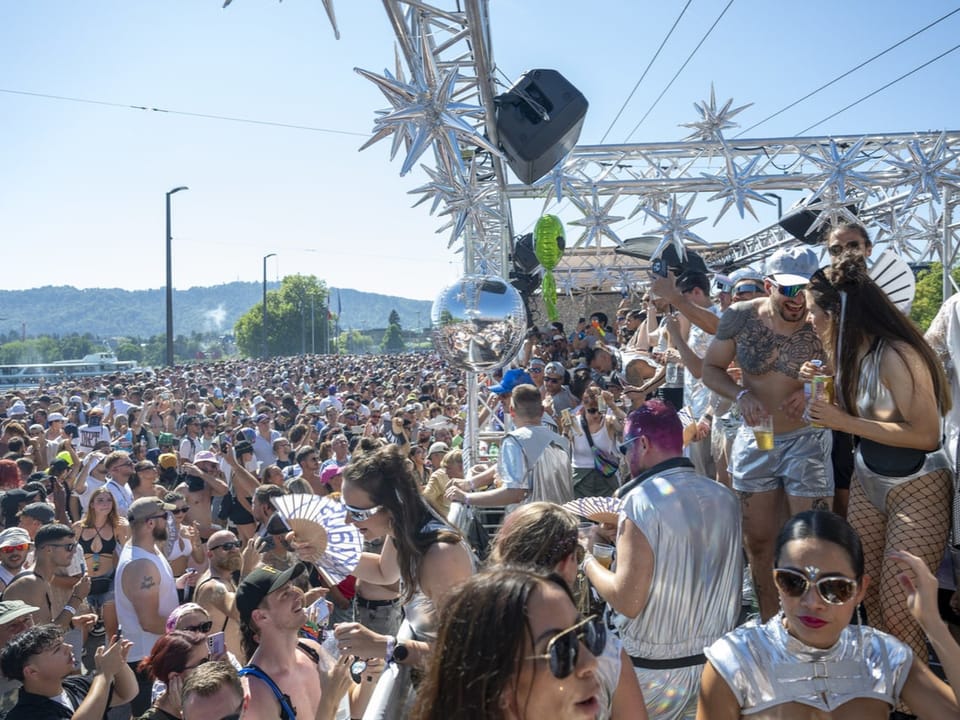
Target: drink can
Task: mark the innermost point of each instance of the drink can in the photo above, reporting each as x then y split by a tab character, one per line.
821	388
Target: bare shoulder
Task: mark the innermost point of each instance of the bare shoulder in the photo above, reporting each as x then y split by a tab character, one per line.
140	575
259	702
444	566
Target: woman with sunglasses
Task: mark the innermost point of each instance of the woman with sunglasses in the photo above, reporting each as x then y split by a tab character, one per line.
809	660
421	550
891	393
170	662
101	533
512	646
594	430
418	456
183	547
544	537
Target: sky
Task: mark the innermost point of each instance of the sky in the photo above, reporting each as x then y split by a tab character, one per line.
82	184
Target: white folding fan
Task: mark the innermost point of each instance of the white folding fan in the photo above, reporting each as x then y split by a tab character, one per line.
321	523
895	277
598	509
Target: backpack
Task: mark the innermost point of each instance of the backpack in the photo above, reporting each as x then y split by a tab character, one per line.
549	476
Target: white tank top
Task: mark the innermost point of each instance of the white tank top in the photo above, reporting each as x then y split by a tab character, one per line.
142	639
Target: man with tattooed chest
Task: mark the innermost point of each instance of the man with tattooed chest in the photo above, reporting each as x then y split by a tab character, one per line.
771	338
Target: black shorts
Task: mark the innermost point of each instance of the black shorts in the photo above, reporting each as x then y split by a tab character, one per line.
842	458
239	515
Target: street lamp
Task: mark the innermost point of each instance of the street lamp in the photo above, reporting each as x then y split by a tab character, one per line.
265	257
170	280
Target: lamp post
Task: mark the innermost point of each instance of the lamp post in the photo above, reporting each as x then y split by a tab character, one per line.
170	280
779	203
265	258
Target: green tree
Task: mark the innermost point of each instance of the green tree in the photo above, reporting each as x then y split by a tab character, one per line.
75	347
929	295
290	309
394	318
354	342
393	337
129	351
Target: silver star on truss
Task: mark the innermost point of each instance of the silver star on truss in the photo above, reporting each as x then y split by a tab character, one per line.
469	201
736	188
566	283
625	280
675	226
424	110
929	235
597	218
565	176
926	171
713	121
830	210
602	275
840	169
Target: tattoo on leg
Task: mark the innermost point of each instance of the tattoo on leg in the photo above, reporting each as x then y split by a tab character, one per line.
821	504
744	498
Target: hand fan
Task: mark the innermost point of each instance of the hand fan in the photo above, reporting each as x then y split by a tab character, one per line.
598	509
321	523
894	276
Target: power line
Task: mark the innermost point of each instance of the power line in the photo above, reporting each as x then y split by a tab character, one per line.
185	113
673	79
880	89
848	72
646	70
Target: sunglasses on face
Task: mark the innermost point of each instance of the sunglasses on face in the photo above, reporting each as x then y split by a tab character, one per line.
563	650
67	546
593	411
535	370
180	511
230	545
10	549
833	590
203	627
789	291
552	380
740	289
360	514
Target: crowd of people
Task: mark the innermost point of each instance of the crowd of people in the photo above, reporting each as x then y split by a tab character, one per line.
690	523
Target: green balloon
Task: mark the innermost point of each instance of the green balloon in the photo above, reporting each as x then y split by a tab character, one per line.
547	236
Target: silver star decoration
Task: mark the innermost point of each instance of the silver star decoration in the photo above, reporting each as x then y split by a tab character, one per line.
565	176
424	110
470	201
713	121
440	188
566	283
602	275
841	169
675	226
930	233
831	210
597	218
737	188
926	172
625	280
653	199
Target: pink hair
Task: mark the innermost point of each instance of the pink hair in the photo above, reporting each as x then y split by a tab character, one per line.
658	422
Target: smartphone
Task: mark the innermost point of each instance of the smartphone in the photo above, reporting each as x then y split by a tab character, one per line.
119	633
659	267
215	643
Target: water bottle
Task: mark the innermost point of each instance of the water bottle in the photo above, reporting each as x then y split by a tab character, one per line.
673	373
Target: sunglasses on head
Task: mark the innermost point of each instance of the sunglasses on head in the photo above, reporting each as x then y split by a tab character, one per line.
563	650
360	514
203	627
833	590
789	291
10	549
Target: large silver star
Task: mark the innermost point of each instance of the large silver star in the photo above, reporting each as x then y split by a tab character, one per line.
470	201
597	218
737	188
713	121
927	171
929	235
440	188
565	176
830	210
840	169
424	110
566	283
675	226
602	275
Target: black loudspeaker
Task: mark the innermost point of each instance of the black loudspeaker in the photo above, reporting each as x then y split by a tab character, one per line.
800	218
538	122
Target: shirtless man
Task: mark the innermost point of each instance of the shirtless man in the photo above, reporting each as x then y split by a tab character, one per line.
771	339
216	590
203	481
271	610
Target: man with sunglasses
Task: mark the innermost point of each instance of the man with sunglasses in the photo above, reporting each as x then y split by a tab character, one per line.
771	339
15	544
216	590
146	591
553	387
120	469
676	582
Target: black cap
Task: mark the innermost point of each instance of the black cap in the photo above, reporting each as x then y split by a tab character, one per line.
259	583
12	499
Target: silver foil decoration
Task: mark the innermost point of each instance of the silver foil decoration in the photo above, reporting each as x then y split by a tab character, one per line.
597	218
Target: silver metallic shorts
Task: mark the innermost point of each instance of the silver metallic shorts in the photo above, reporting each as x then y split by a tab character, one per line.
799	463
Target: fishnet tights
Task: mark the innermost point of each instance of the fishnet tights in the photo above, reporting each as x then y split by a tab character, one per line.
917	520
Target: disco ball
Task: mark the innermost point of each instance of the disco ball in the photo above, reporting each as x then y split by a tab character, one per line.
479	322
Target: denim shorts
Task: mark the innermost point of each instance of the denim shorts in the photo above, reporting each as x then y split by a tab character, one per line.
105	593
799	463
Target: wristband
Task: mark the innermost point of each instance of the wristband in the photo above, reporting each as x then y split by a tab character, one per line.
741	394
70	609
466	499
391	646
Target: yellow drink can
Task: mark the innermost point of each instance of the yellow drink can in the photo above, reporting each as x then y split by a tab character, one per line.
821	388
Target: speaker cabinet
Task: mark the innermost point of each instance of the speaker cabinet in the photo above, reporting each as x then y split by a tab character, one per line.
538	122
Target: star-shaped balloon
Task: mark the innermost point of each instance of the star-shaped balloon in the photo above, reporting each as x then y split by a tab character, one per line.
929	235
565	176
469	200
927	171
425	111
597	218
737	188
440	188
602	275
567	283
675	226
840	169
713	120
830	210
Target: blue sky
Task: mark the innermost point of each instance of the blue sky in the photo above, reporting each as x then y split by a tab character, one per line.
82	185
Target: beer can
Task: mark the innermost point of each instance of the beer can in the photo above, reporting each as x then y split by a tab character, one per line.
821	388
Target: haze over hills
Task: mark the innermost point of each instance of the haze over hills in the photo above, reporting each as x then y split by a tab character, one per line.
108	312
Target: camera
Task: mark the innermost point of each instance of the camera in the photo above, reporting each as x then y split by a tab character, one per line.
195	484
669	259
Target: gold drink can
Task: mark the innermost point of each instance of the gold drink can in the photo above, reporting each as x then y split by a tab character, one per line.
821	388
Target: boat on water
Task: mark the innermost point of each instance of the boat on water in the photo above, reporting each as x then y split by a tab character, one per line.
92	365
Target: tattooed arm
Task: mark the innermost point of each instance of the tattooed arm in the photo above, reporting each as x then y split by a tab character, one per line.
141	584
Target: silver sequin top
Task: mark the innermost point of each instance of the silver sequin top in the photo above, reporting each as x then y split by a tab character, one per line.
765	666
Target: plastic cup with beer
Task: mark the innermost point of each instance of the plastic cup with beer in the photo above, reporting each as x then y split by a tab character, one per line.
603	554
763	432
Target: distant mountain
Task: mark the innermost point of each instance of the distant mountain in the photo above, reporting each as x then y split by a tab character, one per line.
108	312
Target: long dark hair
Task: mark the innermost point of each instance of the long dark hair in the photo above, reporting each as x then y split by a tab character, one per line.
869	315
822	525
386	475
483	633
